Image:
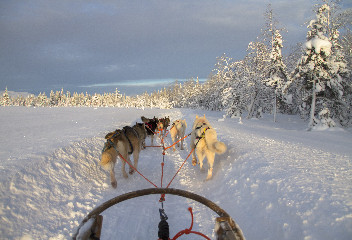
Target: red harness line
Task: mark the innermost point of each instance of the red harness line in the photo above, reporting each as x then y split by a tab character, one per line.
162	197
137	170
180	168
176	142
189	230
162	164
172	144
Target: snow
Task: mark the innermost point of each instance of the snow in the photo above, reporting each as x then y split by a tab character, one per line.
277	180
15	94
319	45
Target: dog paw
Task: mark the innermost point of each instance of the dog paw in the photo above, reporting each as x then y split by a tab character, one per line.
114	184
131	171
209	176
194	162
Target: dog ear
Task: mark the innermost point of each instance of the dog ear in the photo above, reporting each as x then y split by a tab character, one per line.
196	116
204	115
109	135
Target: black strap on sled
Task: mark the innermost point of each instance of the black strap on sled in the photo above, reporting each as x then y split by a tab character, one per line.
163	226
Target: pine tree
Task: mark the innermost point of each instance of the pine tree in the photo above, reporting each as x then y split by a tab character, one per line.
5	98
222	74
277	74
339	87
235	95
257	60
322	73
312	68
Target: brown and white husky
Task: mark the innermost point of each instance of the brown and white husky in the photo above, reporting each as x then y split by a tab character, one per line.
177	132
126	141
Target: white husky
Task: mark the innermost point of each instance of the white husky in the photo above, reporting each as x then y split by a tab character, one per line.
177	132
204	140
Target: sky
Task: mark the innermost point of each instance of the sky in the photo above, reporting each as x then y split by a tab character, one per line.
133	45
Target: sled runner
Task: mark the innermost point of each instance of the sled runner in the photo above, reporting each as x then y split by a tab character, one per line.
225	227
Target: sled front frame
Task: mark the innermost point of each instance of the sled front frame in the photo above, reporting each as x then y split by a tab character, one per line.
224	216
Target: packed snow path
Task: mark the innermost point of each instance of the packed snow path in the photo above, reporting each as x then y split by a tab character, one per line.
276	180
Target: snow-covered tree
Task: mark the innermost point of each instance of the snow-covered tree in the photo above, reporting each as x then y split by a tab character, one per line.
5	101
257	60
320	71
41	100
222	74
235	95
277	74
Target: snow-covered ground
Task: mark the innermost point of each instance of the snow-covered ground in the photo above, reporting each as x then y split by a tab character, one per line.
277	180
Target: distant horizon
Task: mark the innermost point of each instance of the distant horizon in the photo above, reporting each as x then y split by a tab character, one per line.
128	87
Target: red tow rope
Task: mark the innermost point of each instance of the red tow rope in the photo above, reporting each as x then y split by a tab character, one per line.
162	197
189	230
137	170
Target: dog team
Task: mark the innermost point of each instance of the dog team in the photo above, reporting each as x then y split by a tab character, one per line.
131	140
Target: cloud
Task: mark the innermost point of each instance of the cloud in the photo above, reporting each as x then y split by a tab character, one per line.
53	43
112	68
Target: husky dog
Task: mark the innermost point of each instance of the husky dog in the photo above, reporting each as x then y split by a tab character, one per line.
142	133
150	125
177	132
127	141
163	124
204	140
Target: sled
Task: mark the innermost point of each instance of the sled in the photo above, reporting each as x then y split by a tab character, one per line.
225	227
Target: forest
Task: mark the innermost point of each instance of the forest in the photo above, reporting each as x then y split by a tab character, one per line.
313	80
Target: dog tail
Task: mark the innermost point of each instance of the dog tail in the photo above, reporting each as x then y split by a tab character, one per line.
213	144
106	161
219	147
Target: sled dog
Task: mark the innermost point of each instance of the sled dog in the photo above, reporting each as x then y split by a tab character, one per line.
205	144
163	124
177	132
150	125
126	141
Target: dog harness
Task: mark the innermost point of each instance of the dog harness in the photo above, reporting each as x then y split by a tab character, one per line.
202	135
129	141
151	126
135	132
110	143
